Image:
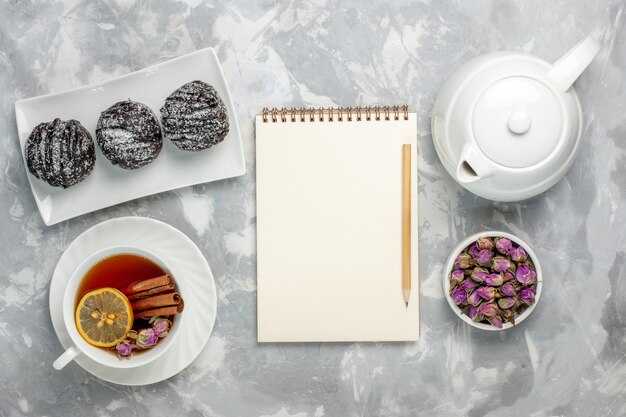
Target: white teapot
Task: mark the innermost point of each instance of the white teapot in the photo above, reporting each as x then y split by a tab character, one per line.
507	125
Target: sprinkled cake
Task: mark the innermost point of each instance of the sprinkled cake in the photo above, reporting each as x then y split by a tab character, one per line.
194	117
60	152
129	134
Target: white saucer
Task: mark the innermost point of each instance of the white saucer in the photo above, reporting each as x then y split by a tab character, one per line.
182	255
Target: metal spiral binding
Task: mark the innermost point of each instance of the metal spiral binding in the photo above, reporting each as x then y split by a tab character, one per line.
331	114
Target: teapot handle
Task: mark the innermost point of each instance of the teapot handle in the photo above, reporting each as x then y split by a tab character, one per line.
569	67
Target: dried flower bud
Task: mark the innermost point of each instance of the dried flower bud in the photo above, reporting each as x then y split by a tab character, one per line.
495	321
468	285
473	250
486	293
508	276
474	299
161	326
518	254
509	315
457	275
508	289
479	274
487	309
459	296
503	245
483	258
124	349
506	302
527	295
146	338
500	264
525	275
494	280
464	260
485	243
473	314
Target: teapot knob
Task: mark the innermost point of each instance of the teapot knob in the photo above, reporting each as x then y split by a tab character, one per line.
519	122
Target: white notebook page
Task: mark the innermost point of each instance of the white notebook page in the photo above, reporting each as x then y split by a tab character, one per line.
329	231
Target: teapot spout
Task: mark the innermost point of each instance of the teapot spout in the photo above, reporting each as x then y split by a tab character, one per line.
465	173
569	67
472	166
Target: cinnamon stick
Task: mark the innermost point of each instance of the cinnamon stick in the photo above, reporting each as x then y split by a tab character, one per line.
161	311
147	284
156	301
152	291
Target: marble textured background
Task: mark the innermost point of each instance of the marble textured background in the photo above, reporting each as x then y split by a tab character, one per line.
567	359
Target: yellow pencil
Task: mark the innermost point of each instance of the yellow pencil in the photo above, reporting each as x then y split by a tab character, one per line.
406	222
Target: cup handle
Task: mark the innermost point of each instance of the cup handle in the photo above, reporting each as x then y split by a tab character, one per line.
66	358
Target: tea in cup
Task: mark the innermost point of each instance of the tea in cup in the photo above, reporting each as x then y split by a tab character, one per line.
121	308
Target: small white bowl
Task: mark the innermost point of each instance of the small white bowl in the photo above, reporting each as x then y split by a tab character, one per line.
450	263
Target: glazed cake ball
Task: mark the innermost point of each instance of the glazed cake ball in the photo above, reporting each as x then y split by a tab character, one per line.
60	152
129	135
194	117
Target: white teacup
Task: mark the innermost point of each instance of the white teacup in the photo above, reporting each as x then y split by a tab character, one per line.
99	355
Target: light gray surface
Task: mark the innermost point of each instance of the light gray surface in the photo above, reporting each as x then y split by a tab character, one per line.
568	358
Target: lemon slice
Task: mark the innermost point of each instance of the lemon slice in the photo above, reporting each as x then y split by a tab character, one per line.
104	317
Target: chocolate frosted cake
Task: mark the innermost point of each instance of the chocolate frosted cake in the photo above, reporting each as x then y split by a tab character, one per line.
194	117
129	134
60	152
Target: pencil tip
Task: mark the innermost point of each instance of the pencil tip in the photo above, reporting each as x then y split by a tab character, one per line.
407	304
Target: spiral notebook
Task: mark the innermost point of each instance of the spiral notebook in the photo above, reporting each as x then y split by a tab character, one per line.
329	225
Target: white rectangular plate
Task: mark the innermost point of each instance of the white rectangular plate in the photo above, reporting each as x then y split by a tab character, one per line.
173	168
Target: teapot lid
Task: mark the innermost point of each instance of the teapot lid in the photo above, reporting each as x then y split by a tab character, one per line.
517	121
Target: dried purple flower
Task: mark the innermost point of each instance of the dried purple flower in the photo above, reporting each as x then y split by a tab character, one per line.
506	302
508	276
487	309
459	296
527	295
161	326
518	254
124	349
457	275
494	280
464	260
146	338
468	285
500	264
473	250
483	258
486	293
503	245
495	321
479	274
474	299
524	274
485	243
508	289
473	314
